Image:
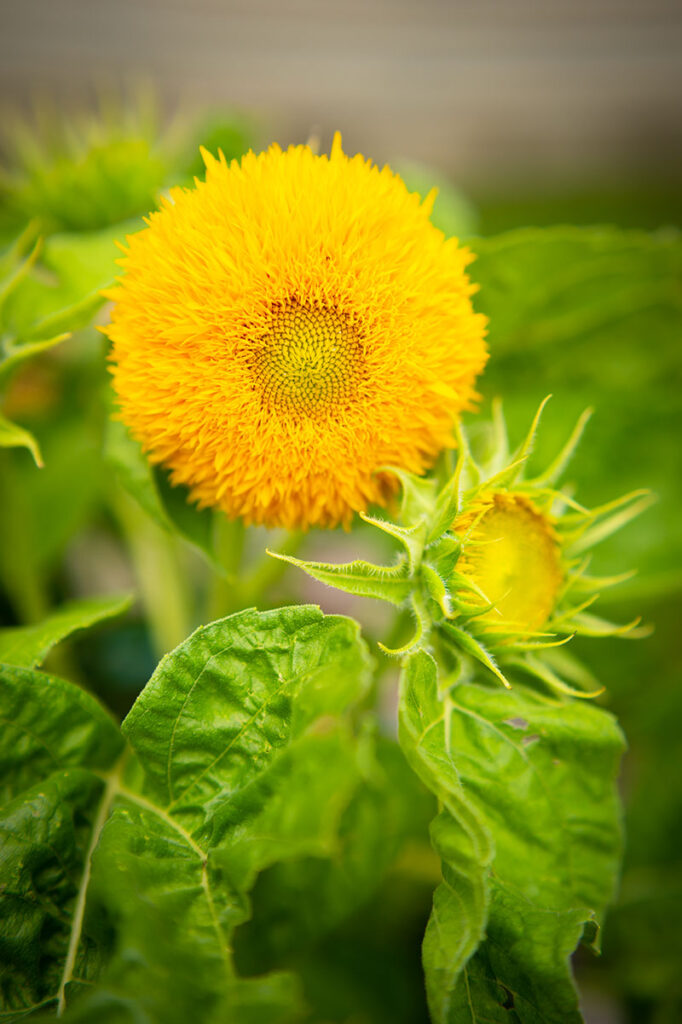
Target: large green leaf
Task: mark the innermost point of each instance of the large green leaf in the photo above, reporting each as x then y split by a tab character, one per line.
540	774
297	902
50	725
138	868
57	745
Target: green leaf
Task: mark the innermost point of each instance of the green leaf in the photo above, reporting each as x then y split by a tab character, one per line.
541	773
50	725
230	733
459	835
392	584
252	664
30	645
133	470
13	436
59	324
58	742
194	524
63	291
298	901
47	835
168	506
14	353
453	213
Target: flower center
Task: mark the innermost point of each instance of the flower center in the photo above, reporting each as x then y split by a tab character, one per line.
514	560
311	358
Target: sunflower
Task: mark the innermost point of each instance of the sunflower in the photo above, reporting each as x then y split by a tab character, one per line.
495	564
287	328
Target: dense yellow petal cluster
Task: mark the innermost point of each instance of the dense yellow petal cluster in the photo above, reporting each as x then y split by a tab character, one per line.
288	327
510	551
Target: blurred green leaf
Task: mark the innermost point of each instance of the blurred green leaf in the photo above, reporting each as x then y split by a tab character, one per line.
168	506
133	470
30	645
63	290
453	213
593	315
80	173
232	134
13	436
41	511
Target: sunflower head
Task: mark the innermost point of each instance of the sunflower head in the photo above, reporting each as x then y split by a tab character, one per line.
287	328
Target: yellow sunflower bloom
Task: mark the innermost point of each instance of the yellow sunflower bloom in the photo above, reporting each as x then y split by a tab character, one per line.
289	327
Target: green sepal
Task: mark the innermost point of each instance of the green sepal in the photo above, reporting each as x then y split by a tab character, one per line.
594	626
412	537
476	649
447	506
437	589
422	628
418	496
443	554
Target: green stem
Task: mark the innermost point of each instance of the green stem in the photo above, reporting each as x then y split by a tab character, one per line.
224	592
23	578
163	585
268	571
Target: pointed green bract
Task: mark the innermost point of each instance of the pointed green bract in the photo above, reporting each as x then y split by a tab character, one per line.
386	583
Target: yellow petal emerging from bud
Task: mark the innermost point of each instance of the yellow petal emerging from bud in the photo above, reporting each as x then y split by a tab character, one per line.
511	553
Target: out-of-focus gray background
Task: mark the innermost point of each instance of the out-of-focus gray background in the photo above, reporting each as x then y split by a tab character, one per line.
491	91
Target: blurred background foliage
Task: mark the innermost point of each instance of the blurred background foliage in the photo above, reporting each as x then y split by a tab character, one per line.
590	313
